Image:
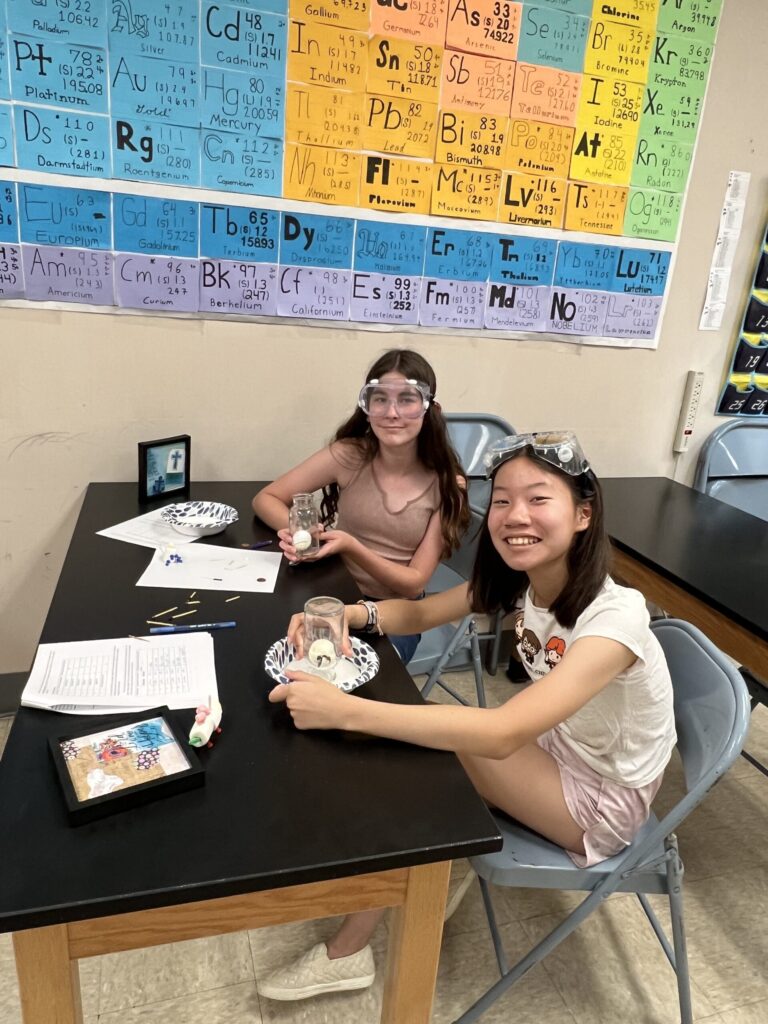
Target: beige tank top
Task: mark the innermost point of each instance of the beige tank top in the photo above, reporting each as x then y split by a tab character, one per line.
363	512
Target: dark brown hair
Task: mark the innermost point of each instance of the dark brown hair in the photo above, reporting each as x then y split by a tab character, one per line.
434	448
494	585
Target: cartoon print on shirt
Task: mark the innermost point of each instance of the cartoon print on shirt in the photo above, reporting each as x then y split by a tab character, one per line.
519	619
554	651
529	645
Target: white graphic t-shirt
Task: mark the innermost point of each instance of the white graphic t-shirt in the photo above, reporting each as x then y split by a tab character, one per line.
627	731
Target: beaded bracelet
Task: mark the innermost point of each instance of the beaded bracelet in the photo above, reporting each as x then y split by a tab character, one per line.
373	625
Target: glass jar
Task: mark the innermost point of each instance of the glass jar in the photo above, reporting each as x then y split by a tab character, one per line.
304	524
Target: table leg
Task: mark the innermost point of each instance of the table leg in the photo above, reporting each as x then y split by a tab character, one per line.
49	982
415	931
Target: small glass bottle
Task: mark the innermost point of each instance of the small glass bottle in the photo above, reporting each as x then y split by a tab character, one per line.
304	524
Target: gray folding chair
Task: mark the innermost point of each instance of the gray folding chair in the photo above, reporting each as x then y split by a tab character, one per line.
712	716
733	467
471	434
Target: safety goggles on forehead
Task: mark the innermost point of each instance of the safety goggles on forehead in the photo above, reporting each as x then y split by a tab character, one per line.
410	398
560	448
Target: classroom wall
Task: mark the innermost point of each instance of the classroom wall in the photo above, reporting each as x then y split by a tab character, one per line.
77	391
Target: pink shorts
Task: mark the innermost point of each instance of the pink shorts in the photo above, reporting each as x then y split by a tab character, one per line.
610	814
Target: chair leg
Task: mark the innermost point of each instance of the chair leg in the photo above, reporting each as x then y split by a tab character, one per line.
656	925
675	885
446	656
477	665
492	657
501	956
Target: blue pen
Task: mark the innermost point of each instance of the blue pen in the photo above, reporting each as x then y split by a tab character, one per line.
193	628
261	544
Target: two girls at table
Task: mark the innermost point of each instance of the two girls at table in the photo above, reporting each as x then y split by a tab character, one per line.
578	754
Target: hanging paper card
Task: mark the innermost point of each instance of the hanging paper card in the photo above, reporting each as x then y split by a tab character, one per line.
631	12
9	218
5	88
241	163
62	142
396	185
317	116
345	13
698	18
661	163
149	225
64	21
243	40
451	303
314	241
230	287
314	293
65	216
323	55
385	298
11	276
536	147
573	311
152	29
151	150
397	67
67	275
481	84
489	27
246	103
6	136
617	49
514	307
585	266
159	89
545	94
58	74
597	208
419	20
652	214
462	255
475	140
239	233
154	282
403	126
384	247
631	316
532	199
321	175
552	37
520	259
470	192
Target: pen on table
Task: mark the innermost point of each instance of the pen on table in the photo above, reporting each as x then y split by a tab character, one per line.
193	627
260	544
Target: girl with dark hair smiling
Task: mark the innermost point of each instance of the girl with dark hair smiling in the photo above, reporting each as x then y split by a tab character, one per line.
579	754
393	501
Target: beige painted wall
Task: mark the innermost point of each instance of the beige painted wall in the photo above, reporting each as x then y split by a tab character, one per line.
77	391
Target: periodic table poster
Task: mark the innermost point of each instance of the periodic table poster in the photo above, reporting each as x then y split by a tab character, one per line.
449	164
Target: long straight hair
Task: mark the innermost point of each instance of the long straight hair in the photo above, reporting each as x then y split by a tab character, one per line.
495	586
434	448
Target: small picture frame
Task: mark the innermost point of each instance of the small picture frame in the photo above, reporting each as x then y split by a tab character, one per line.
123	762
164	467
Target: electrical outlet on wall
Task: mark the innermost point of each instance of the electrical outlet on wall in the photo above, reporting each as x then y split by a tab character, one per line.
694	383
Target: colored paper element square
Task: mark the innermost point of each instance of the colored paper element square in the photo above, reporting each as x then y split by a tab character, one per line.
630	12
698	18
584	266
243	40
677	81
247	104
147	224
514	307
535	147
65	216
62	142
5	87
532	199
154	151
623	51
552	37
661	163
323	55
152	29
595	208
400	126
313	292
545	94
385	298
421	21
574	311
316	116
239	233
641	272
481	84
398	67
395	185
9	216
321	175
489	27
453	253
157	282
388	248
470	192
632	316
520	259
58	74
63	21
67	275
11	272
652	214
475	140
310	240
345	13
451	303
7	159
230	287
163	90
240	163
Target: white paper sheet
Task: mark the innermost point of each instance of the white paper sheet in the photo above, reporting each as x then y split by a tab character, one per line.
148	530
209	567
124	674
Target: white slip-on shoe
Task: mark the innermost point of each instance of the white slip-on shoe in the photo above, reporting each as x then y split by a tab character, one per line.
314	973
457	890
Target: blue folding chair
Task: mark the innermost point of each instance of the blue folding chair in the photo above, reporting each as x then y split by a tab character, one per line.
712	717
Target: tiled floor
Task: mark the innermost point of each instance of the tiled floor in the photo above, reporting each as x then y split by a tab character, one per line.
611	971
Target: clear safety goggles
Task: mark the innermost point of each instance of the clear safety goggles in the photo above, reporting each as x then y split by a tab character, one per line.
409	398
560	448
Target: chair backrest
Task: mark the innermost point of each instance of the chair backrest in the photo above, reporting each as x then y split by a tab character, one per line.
733	466
471	434
462	560
711	703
